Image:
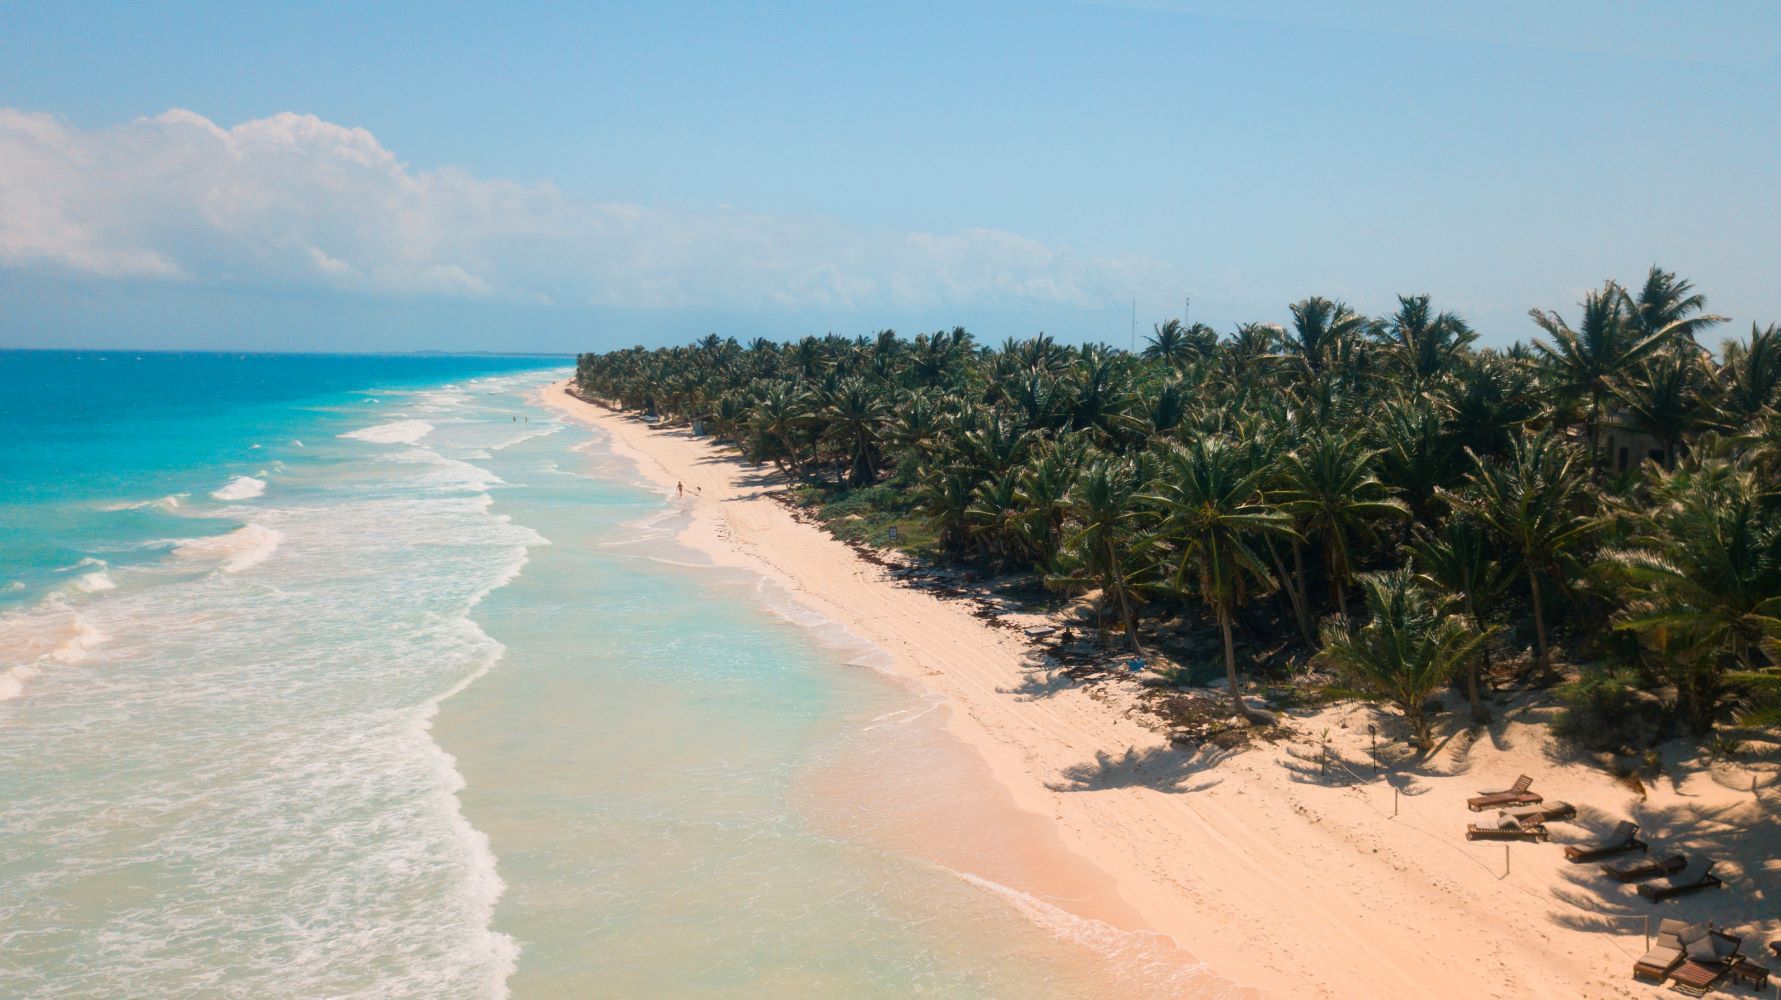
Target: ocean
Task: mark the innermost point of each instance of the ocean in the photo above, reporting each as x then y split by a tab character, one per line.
366	676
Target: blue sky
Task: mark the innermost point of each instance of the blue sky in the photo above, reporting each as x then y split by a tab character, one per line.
536	178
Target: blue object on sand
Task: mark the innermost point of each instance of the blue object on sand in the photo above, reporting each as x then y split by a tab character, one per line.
1135	663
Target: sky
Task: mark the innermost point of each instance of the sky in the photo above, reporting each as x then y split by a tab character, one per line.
588	176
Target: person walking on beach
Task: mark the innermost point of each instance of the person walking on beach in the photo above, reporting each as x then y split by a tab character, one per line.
679	489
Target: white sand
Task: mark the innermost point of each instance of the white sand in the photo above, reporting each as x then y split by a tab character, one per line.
1290	882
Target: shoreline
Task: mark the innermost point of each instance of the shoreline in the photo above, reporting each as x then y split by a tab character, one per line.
1285	883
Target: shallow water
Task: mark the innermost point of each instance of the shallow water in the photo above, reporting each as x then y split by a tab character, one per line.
432	704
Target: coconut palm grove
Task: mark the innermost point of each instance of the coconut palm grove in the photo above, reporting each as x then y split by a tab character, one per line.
1372	500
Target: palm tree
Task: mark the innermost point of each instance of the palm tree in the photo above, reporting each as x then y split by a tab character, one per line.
1664	400
1251	350
1537	505
1417	452
856	418
1043	495
1320	330
997	517
1425	344
1328	486
1589	362
1169	344
781	415
1456	560
1106	542
1704	577
1407	649
1668	307
944	496
1752	374
1214	515
1488	402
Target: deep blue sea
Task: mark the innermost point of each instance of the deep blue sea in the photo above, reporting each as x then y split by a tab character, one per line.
101	450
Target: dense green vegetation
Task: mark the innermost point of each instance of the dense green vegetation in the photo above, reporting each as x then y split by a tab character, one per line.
1601	507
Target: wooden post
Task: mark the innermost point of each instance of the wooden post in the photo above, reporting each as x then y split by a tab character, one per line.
1394	801
1505	860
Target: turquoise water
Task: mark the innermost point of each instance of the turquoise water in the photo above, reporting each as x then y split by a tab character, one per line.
368	677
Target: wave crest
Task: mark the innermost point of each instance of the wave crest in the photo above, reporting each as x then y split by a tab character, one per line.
240	488
396	432
243	548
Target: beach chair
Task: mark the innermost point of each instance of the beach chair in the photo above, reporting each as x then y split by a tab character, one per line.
1665	952
1515	795
1634	871
1551	812
1694	876
1619	841
1707	957
1696	979
1507	827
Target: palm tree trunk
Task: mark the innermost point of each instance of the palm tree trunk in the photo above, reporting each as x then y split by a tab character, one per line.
1479	713
1541	658
1298	566
1292	595
1230	662
1230	672
1125	605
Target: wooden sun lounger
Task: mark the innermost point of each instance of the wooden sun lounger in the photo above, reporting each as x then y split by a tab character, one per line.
1708	956
1620	841
1634	871
1697	875
1697	979
1507	828
1551	812
1515	795
1665	952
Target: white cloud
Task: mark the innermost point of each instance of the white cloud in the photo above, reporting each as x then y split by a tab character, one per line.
294	201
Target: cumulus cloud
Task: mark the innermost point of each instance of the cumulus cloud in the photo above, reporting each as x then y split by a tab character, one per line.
294	201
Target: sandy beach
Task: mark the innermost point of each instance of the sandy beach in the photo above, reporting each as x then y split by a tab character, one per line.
1282	875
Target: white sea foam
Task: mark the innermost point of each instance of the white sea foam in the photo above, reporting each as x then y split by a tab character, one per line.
93	583
47	634
243	548
169	502
395	432
1144	955
535	431
12	681
240	488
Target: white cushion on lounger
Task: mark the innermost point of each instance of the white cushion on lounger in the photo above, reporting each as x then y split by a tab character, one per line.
1662	954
